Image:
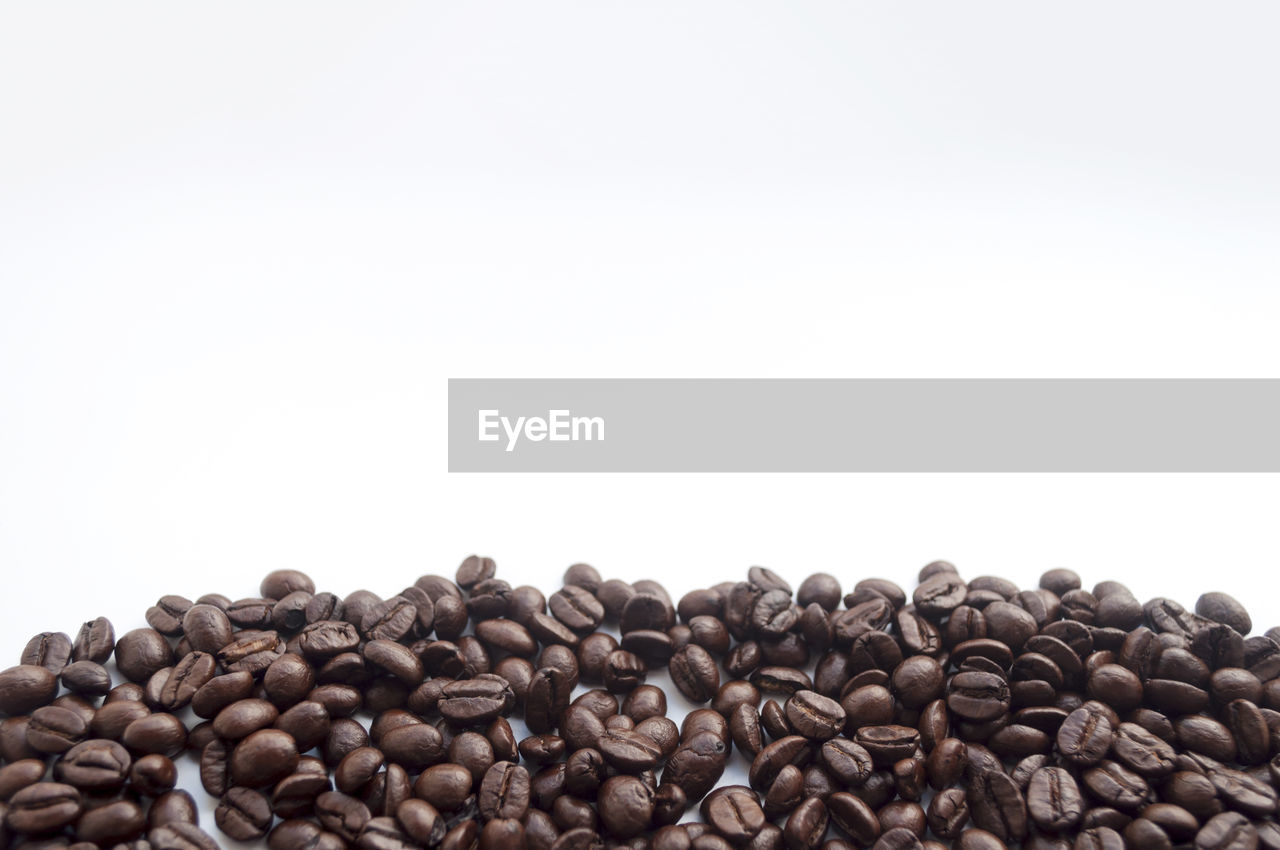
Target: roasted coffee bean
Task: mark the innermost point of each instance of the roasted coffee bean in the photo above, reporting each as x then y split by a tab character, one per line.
1143	752
53	729
629	751
948	813
341	814
626	806
289	678
51	650
43	807
243	814
153	775
1117	786
1227	831
156	733
806	825
577	608
978	696
814	716
421	821
414	746
997	805
698	763
888	743
1084	737
242	718
26	687
504	791
263	758
470	702
172	807
735	812
18	775
1054	801
694	672
357	769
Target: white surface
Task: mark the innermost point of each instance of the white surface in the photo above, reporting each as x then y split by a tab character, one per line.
243	250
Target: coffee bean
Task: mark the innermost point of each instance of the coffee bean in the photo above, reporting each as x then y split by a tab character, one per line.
735	812
243	814
172	807
1227	831
888	743
414	746
141	652
156	733
289	678
153	775
341	814
806	825
504	791
1084	737
997	805
814	716
263	758
252	652
43	807
978	695
629	751
26	687
694	672
470	702
53	729
1054	801
189	675
1116	785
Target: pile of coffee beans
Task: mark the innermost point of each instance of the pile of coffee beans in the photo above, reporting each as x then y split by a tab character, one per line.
970	713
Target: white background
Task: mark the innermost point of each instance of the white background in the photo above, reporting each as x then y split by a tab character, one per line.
243	247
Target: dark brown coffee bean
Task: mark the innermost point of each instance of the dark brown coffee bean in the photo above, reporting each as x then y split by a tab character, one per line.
948	813
141	653
242	718
172	807
471	702
156	733
978	696
51	650
888	743
547	699
25	688
18	775
43	807
263	758
414	746
153	775
1117	786
1227	831
814	716
629	751
1084	737
577	608
698	763
997	805
694	672
341	814
243	814
356	769
53	729
504	791
1143	752
1053	798
111	823
806	825
421	821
